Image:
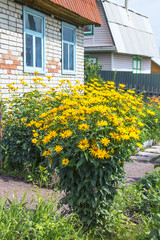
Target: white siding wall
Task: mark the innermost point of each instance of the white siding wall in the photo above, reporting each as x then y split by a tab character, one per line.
104	59
11	48
146	65
102	36
124	63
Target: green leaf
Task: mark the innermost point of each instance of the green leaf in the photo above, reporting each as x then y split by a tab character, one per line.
80	162
157	165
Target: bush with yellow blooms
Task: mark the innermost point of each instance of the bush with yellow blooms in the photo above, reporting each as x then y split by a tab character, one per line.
86	132
87	135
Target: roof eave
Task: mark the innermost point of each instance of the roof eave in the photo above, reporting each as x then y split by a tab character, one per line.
99	49
60	12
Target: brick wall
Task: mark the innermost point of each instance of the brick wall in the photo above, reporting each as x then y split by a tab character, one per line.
11	48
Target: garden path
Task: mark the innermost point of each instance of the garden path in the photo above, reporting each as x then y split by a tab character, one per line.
143	162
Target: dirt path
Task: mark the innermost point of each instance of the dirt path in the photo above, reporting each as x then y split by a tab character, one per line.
143	162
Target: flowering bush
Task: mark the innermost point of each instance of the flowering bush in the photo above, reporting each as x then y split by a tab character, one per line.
16	148
88	134
151	120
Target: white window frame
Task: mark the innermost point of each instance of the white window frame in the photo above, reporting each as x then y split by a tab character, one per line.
138	62
32	69
73	28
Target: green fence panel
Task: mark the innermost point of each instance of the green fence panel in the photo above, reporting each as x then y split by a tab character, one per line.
147	84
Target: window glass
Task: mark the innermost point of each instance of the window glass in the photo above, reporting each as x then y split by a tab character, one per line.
88	28
33	23
71	57
68	35
65	56
135	64
38	52
139	65
29	50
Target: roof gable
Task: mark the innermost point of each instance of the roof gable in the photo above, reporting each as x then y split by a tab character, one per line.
131	31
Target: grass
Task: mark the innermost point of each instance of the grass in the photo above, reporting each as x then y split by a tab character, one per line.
134	214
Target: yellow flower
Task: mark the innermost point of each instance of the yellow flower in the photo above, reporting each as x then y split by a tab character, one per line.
65	161
45	153
139	145
105	141
38	124
157	171
122	85
52	134
58	148
66	134
49	78
102	123
35	135
119	161
156	120
36	110
151	112
46	139
23	119
102	153
34	140
83	144
112	150
36	72
140	124
83	127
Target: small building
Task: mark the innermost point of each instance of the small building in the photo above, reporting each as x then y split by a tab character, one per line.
124	42
45	36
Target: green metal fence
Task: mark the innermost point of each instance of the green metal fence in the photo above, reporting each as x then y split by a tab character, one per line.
149	84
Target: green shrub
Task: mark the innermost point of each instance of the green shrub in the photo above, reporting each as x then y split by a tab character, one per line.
91	71
88	137
151	120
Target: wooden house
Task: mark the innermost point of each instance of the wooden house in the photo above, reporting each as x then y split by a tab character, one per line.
124	42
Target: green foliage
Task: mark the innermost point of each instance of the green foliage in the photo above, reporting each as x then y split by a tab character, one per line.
16	148
44	222
151	120
91	71
135	212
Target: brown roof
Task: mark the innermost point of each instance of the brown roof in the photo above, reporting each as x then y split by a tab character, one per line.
79	12
84	8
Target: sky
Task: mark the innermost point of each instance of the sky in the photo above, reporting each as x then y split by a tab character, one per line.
149	8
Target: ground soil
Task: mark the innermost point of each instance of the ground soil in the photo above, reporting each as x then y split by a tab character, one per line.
17	188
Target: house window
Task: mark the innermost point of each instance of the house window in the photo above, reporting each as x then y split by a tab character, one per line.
34	33
93	60
68	49
137	65
88	30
